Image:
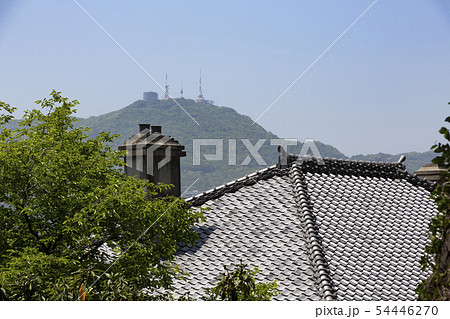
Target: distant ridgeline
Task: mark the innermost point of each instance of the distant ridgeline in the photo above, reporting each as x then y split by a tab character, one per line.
216	122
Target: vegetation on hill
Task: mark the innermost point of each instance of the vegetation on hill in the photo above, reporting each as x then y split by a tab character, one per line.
216	122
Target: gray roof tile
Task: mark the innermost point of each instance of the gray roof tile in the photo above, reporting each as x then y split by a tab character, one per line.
263	234
345	230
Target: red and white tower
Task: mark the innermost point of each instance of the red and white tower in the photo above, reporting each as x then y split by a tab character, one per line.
166	92
200	97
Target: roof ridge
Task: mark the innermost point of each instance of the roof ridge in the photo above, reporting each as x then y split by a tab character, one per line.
233	186
307	218
364	168
307	158
344	166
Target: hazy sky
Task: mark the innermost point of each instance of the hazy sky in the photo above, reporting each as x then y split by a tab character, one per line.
383	87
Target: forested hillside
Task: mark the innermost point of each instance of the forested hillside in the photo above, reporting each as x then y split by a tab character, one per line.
214	123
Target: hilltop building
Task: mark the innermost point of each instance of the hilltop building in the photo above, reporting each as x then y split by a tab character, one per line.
150	96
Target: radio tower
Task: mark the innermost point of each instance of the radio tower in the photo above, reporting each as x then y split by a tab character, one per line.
200	97
166	93
181	89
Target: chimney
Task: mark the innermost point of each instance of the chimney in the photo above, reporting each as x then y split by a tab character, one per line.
154	157
156	129
431	172
143	127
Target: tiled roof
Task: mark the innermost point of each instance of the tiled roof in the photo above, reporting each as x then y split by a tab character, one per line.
328	230
264	233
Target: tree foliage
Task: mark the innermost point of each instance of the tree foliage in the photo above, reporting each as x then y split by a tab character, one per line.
71	224
238	283
437	253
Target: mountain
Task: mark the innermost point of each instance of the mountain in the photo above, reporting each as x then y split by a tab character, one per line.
218	123
215	122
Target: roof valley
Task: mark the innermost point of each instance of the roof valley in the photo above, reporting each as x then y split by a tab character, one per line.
307	220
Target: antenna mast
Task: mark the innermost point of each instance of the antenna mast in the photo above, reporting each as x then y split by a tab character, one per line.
200	97
166	93
181	89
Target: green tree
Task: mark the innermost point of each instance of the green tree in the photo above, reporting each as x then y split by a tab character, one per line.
437	253
72	226
239	283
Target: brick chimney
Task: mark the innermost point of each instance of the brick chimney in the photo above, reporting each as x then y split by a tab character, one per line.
431	172
154	157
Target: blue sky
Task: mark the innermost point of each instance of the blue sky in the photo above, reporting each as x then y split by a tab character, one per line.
383	87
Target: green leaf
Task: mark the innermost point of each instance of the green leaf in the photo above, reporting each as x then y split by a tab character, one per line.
67	197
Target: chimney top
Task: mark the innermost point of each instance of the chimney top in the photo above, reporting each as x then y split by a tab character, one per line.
143	127
156	129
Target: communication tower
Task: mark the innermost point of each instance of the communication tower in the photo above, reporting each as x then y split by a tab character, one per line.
166	92
200	97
